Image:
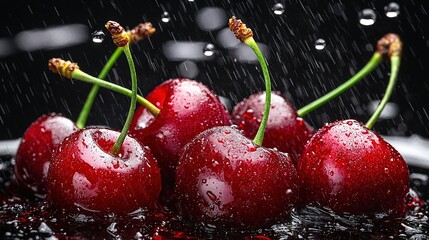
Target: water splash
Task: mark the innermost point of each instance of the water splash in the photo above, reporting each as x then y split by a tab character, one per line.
44	228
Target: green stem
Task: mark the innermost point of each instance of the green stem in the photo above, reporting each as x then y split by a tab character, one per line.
395	62
117	146
368	68
83	116
261	130
82	76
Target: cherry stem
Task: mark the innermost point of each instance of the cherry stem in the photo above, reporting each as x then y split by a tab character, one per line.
375	60
84	77
117	146
259	137
395	62
140	32
83	116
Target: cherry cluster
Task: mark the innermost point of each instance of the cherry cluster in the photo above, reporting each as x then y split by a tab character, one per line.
181	148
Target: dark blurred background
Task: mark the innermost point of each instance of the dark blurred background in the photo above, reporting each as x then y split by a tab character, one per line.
311	47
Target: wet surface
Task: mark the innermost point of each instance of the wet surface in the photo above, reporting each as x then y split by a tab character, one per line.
310	47
22	216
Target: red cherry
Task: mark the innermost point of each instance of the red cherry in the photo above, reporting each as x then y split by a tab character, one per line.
187	108
34	154
285	130
223	178
85	175
349	168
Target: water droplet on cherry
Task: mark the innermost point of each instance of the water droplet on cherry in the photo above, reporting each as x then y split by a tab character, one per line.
211	196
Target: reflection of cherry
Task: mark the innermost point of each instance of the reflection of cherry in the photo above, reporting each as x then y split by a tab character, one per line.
223	178
84	174
349	168
34	154
285	130
187	108
226	179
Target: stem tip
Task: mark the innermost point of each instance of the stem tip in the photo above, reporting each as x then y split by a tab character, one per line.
390	45
119	36
239	29
141	31
64	68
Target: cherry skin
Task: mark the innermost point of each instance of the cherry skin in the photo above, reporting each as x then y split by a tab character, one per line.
224	179
85	176
187	108
349	168
285	130
34	153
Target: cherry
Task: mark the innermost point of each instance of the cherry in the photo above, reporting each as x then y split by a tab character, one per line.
349	168
187	108
85	176
285	130
184	104
44	135
226	179
101	170
34	153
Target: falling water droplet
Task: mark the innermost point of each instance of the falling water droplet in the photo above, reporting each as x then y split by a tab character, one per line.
98	36
278	9
320	44
191	0
209	50
165	17
392	10
367	17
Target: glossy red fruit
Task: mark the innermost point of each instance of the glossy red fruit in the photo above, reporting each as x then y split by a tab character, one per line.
34	154
187	108
349	168
285	130
224	179
85	176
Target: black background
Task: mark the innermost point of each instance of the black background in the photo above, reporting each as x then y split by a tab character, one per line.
299	71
